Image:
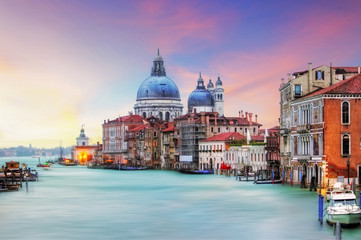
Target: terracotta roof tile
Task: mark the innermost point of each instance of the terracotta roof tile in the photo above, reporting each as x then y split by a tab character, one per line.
349	86
225	137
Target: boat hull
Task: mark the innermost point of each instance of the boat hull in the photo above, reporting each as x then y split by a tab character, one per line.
344	219
268	181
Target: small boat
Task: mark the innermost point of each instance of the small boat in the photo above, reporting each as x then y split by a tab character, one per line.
195	171
265	177
43	165
133	168
342	207
250	177
68	162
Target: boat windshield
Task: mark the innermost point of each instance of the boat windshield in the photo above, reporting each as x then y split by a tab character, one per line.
344	202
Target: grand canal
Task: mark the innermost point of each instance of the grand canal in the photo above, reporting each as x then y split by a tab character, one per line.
81	203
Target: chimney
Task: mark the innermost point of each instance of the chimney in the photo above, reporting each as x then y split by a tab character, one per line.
309	77
256	118
189	119
105	121
98	145
242	113
194	110
282	81
250	117
289	77
358	69
239	114
246	117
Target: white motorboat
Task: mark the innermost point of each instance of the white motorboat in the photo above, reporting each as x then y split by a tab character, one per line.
342	207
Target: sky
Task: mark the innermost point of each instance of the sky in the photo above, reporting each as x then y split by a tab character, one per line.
66	63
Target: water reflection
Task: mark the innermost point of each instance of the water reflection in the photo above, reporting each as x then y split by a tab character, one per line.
81	203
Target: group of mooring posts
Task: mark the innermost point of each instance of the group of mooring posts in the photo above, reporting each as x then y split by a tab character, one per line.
13	179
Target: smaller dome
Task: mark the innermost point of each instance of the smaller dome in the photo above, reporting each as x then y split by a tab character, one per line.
219	82
210	84
200	98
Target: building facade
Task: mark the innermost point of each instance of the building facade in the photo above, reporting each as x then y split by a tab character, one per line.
326	133
83	153
115	142
298	85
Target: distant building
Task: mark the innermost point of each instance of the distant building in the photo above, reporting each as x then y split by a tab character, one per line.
82	153
210	99
115	143
273	149
158	95
195	127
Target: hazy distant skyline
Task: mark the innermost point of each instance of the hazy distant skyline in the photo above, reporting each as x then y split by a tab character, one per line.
67	63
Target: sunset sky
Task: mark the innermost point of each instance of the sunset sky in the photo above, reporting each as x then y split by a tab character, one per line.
64	63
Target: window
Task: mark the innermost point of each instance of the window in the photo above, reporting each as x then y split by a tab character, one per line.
160	114
144	115
219	129
211	129
345	145
315	145
167	116
154	134
298	90
235	129
320	75
345	113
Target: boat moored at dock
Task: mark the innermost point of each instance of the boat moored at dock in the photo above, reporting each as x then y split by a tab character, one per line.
342	207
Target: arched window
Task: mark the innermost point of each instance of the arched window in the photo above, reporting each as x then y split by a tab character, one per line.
160	115
345	145
345	113
144	114
167	116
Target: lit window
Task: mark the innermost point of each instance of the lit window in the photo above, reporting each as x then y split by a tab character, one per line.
345	113
345	145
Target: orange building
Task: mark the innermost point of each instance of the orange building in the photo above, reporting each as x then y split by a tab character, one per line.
326	133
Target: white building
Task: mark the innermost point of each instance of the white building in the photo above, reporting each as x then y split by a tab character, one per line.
246	155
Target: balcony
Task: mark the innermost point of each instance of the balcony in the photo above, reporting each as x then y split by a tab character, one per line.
303	128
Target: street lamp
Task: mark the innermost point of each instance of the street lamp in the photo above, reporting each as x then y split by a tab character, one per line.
348	170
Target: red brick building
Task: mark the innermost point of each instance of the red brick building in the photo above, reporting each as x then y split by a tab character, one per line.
326	133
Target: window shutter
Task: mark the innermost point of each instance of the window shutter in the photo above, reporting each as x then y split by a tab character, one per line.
315	75
323	75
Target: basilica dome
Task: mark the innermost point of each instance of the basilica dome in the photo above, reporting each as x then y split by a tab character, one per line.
200	97
158	87
158	95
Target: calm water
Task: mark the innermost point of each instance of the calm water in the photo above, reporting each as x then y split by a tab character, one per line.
81	203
